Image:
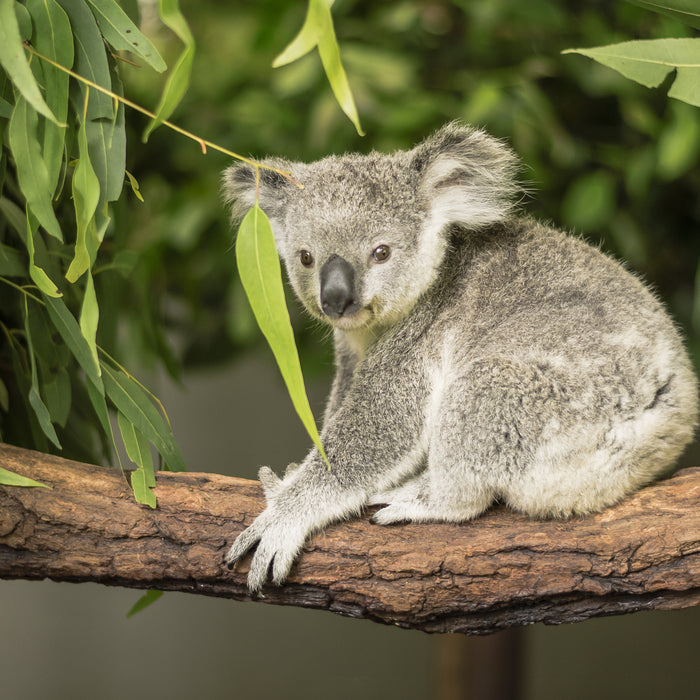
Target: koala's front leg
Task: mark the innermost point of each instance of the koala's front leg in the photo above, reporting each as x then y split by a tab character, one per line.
372	440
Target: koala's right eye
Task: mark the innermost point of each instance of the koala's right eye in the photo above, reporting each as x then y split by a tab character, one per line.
307	260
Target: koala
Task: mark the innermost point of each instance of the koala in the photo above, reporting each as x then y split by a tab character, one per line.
481	356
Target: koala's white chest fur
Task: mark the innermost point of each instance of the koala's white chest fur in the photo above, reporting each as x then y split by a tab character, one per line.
480	357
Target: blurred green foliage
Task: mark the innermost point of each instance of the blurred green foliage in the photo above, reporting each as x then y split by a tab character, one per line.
602	156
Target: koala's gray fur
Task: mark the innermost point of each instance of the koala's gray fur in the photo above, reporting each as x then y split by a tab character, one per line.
487	357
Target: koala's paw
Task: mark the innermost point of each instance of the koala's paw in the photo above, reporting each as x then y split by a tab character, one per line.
278	544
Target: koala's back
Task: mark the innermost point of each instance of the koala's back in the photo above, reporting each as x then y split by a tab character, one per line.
568	359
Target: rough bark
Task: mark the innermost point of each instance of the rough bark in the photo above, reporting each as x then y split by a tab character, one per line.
499	571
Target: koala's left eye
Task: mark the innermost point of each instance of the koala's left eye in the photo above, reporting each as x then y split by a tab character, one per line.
381	253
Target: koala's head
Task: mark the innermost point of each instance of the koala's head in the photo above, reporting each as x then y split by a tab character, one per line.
365	237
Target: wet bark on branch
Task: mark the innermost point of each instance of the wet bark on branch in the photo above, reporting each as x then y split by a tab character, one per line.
499	571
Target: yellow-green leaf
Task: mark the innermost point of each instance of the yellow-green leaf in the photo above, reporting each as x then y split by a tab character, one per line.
86	196
261	275
148	598
89	317
8	478
318	31
649	62
142	493
38	275
179	78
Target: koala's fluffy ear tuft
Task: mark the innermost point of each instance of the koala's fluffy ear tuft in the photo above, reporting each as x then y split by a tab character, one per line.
467	177
239	188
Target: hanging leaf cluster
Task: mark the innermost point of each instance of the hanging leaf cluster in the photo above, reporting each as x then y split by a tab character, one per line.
64	150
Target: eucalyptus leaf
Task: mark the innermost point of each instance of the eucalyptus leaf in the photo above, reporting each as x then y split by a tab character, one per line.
687	11
318	31
69	330
90	61
35	401
178	81
8	478
89	317
137	448
38	275
139	485
53	38
123	34
14	60
12	262
5	109
32	172
148	598
86	197
261	275
132	401
58	397
649	62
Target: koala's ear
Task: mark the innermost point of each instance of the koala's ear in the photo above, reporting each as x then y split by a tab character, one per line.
239	188
466	177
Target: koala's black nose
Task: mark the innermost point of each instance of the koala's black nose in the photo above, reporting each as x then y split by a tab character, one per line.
338	288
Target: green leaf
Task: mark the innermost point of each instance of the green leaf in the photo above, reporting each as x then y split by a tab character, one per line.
144	601
35	401
70	331
142	493
58	396
12	262
135	187
318	31
261	275
8	478
89	317
179	78
14	61
649	62
123	34
32	172
5	109
39	276
90	61
86	197
686	11
132	401
137	448
53	38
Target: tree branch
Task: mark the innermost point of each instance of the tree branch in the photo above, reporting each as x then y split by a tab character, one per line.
498	571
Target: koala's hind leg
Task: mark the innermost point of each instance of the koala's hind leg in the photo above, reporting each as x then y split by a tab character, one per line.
548	442
478	431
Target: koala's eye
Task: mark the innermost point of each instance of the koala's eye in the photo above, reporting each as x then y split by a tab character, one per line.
381	253
307	260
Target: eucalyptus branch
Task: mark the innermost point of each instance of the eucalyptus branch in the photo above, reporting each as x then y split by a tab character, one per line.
204	144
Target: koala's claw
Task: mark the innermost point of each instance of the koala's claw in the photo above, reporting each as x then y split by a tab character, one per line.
278	544
271	483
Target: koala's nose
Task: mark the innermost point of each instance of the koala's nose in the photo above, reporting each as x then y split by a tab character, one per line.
338	288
